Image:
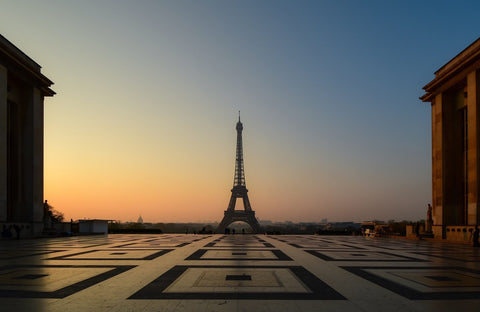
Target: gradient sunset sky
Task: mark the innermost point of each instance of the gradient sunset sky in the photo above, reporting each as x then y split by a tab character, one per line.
148	92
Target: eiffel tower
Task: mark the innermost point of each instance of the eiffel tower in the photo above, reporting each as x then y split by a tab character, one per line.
239	190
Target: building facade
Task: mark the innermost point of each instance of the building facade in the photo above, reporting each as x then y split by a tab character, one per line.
22	92
454	95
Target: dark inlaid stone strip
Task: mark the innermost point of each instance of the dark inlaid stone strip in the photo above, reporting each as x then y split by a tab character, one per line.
34	253
65	291
31	276
318	289
400	258
281	256
149	257
242	277
408	292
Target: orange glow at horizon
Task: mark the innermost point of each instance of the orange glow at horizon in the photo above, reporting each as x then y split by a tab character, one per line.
143	122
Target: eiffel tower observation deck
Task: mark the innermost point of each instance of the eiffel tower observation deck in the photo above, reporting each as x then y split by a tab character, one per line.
239	190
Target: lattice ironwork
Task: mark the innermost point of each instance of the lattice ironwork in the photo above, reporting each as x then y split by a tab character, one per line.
239	190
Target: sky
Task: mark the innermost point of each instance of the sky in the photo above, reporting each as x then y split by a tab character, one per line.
148	94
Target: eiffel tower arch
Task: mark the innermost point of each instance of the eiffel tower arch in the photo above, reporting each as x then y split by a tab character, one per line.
239	190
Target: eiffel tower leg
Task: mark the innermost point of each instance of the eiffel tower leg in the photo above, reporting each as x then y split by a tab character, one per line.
231	204
227	218
223	225
246	203
252	221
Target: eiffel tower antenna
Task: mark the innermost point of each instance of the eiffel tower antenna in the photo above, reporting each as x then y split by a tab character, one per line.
239	190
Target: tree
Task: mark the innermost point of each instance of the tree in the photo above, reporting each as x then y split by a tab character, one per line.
55	215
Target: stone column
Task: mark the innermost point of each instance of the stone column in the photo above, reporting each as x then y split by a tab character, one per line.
25	174
32	155
473	145
37	155
3	143
31	174
437	159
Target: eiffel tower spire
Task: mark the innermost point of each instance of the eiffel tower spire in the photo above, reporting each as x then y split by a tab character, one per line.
239	190
239	178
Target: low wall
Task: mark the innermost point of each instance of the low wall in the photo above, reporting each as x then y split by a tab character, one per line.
460	233
24	229
453	233
411	232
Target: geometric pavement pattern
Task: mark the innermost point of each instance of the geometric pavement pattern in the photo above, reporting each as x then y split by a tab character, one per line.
186	272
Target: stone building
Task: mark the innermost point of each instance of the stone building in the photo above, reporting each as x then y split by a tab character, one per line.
454	95
22	91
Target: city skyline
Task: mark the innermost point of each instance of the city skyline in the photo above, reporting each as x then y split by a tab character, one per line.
143	122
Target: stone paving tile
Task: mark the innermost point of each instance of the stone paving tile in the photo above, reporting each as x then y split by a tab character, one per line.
186	272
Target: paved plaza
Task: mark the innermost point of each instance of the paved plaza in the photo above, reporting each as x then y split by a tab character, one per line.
175	272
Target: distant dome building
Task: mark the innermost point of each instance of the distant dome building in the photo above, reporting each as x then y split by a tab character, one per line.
140	220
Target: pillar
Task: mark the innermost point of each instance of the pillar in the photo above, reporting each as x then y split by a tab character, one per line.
473	89
37	161
437	159
31	173
3	144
